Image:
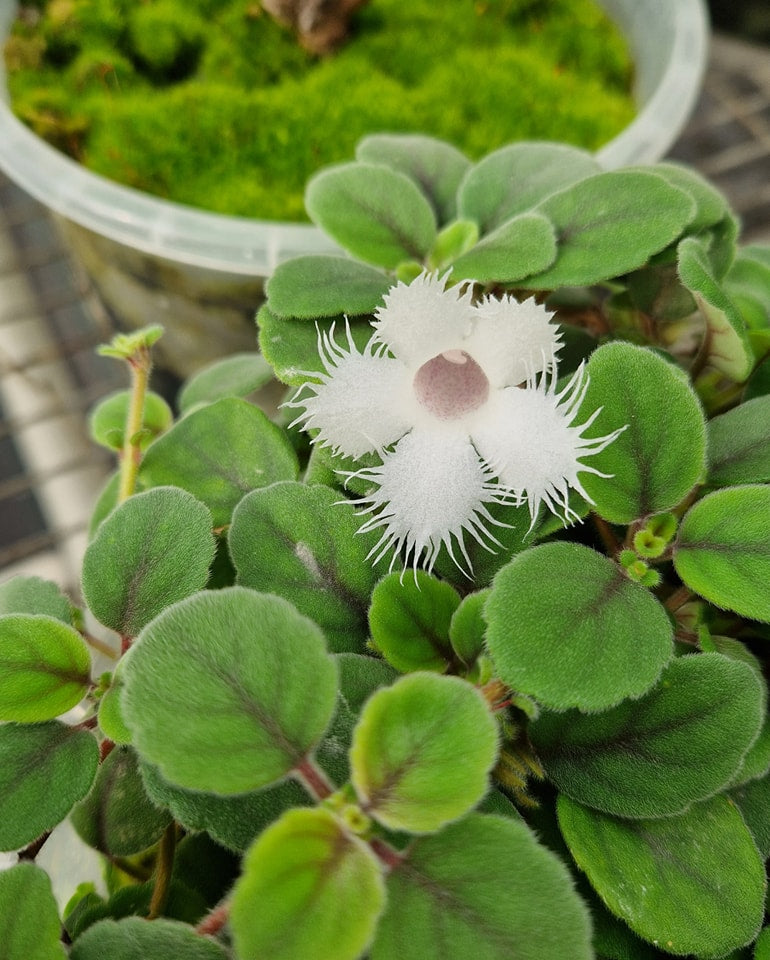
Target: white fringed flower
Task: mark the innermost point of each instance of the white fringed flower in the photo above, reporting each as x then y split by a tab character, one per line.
459	401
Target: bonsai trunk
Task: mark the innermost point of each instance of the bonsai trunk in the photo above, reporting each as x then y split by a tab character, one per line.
321	25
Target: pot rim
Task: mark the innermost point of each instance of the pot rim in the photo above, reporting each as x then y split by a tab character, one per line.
670	61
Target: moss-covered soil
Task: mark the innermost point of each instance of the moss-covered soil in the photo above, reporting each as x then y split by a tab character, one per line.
211	103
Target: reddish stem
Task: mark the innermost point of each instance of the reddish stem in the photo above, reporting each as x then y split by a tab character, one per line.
678	599
213	922
313	779
385	853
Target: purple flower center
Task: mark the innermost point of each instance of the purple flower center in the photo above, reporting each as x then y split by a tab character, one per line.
451	385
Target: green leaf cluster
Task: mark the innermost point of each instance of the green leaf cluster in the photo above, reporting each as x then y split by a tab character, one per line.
563	751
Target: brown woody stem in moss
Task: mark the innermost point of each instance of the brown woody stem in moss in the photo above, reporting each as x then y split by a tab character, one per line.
321	25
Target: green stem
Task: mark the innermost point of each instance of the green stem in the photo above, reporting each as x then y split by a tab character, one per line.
163	868
140	365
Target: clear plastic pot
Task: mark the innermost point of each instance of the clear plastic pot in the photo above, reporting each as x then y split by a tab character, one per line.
201	274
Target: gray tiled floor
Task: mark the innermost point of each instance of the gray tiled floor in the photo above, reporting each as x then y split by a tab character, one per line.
50	323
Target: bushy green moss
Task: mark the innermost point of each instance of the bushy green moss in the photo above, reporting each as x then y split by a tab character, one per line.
239	116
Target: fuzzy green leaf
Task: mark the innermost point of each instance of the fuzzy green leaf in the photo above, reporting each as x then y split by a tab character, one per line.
517	177
739	445
291	346
107	423
232	667
758	384
435	166
308	889
298	541
359	677
111	721
722	550
409	619
236	376
693	883
29	920
452	242
406	746
45	768
726	347
152	550
44	667
219	453
116	817
136	939
482	888
657	460
748	286
711	205
517	248
22	594
375	213
681	742
753	800
467	628
234	821
566	626
320	286
762	946
604	228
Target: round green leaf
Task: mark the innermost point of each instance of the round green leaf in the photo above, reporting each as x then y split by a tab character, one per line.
758	384
299	541
517	177
682	742
291	346
116	817
468	627
482	888
517	248
727	347
238	375
228	691
604	227
711	205
45	768
722	550
422	752
136	939
152	550
657	459
762	946
753	800
567	627
23	594
321	286
44	667
111	721
233	821
219	453
739	445
107	422
409	620
30	928
694	883
308	889
375	213
435	166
